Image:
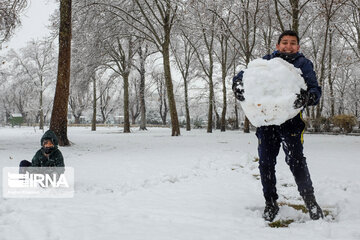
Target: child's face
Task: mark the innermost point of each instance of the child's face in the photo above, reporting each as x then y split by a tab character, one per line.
288	44
48	144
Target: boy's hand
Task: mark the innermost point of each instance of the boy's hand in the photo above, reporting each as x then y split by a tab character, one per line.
239	94
304	99
50	163
238	90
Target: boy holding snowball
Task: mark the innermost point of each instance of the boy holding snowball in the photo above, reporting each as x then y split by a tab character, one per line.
289	133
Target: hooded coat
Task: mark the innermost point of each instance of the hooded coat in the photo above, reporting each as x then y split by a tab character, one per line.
55	159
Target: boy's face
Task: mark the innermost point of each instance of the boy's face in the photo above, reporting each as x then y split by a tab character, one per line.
48	144
288	44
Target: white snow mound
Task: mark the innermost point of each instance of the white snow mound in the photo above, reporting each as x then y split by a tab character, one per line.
270	91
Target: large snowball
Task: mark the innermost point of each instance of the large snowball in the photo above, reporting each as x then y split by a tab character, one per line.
270	91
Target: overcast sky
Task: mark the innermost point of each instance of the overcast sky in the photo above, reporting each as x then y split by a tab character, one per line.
34	22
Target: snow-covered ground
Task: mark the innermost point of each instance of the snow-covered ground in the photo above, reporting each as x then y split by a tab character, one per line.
148	185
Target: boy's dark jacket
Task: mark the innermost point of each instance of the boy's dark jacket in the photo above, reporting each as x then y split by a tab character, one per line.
55	158
307	68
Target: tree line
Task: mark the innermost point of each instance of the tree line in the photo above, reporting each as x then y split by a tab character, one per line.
176	57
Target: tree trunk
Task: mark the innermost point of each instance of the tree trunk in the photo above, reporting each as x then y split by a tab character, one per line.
236	127
277	12
295	15
322	69
142	92
217	118
211	93
133	119
246	121
211	104
126	104
163	103
187	112
41	111
77	119
246	125
175	131
93	120
102	110
223	113
235	103
59	113
332	97
142	105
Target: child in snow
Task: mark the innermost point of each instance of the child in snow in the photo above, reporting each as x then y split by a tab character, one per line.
48	155
289	134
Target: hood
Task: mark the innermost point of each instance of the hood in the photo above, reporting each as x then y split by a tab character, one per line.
49	135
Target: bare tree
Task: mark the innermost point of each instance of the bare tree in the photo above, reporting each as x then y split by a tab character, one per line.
9	17
88	57
244	33
294	9
161	90
205	30
350	30
224	56
107	93
36	62
79	100
184	54
153	20
355	92
328	10
134	103
143	53
104	91
268	28
19	95
7	103
80	96
121	55
94	106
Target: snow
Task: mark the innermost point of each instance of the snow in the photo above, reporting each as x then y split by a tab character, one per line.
16	115
149	185
270	88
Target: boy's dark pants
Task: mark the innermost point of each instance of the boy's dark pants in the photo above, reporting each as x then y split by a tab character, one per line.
290	135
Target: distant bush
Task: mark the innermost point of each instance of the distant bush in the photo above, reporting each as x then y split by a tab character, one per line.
320	124
344	122
198	123
153	121
307	122
231	123
323	123
182	123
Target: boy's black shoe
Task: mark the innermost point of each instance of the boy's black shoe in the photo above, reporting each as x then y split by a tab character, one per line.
270	211
315	211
